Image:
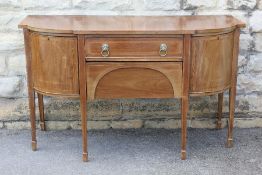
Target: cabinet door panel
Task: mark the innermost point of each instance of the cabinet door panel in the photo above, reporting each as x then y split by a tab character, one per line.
211	61
133	80
55	64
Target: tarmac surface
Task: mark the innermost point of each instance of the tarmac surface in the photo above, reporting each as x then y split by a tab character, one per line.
131	152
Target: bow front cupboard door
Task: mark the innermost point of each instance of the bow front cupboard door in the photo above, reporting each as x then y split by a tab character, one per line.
55	64
211	63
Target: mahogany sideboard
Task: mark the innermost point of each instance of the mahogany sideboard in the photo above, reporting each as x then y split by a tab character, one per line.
107	57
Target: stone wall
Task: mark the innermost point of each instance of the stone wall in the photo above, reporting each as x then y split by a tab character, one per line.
155	113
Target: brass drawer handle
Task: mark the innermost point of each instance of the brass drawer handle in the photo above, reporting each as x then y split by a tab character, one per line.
163	50
105	50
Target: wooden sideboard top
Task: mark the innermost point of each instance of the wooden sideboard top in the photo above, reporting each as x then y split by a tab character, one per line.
130	24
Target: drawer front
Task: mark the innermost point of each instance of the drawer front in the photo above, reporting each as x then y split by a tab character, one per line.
112	80
126	48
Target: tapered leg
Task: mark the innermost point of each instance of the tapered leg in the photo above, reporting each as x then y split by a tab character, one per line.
32	118
184	109
219	110
84	127
185	93
83	94
232	90
232	96
31	93
41	111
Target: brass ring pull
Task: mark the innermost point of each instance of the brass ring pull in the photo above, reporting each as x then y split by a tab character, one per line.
163	50
105	50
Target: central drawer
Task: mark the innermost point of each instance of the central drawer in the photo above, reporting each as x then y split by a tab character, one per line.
133	48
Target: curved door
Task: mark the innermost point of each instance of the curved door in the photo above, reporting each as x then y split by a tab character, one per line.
55	64
211	61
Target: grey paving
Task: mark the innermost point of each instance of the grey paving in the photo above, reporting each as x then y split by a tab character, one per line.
131	152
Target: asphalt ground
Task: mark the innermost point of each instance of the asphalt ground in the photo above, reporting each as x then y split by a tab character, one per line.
131	152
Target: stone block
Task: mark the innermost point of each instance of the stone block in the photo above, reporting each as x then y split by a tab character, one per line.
76	125
14	109
127	124
255	63
10	86
148	108
59	109
255	21
162	4
101	5
104	110
4	4
253	102
257	42
259	4
202	105
242	64
242	4
164	123
9	20
47	4
3	67
57	125
204	4
206	123
246	42
11	41
98	125
248	122
16	65
24	88
1	125
138	5
242	61
17	125
250	83
157	12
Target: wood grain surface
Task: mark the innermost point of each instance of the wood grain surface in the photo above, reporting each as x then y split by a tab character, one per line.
130	24
134	80
128	48
211	59
55	64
